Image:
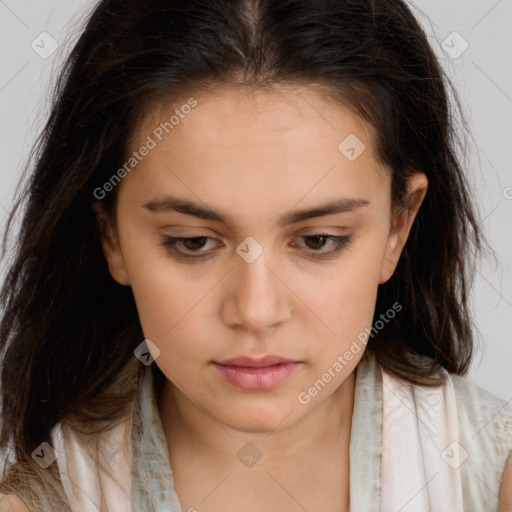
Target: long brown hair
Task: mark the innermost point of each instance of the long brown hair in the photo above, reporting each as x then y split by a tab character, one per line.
68	330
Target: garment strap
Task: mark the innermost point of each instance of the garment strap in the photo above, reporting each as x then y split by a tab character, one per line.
95	480
421	455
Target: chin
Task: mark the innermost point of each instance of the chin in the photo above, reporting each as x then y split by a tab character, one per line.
252	427
252	420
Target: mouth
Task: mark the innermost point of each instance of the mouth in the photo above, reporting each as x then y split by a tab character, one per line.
256	374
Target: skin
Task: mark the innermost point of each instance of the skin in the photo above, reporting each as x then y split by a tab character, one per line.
256	157
505	501
11	503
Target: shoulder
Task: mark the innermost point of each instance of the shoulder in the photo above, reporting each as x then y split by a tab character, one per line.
11	503
482	412
485	429
505	500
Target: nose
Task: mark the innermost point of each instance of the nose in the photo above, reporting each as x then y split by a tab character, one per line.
258	297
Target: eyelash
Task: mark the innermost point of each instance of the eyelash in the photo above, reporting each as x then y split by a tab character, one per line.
340	242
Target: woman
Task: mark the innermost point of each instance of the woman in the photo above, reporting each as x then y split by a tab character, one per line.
245	255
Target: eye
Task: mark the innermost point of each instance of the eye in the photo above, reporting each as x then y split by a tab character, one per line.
337	243
194	247
193	244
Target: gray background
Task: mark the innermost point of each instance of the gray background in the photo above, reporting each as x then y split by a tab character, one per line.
482	75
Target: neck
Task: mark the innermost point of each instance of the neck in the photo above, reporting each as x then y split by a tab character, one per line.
303	444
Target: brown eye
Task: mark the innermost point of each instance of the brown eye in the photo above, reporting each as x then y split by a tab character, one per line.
194	244
316	242
186	247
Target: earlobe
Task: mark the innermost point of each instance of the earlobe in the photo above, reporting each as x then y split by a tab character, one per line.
393	242
114	259
110	245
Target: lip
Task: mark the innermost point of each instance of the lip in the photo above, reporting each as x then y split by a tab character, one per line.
256	374
256	362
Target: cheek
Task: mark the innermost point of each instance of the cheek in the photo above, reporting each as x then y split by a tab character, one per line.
173	303
345	309
172	315
345	303
160	290
166	300
352	291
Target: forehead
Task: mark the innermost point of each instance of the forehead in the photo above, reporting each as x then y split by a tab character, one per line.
242	145
254	116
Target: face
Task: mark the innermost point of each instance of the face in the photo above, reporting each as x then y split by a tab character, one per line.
254	236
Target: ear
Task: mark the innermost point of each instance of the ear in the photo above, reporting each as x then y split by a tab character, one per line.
110	245
401	224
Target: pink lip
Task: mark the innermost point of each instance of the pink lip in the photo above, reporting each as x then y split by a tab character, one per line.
256	374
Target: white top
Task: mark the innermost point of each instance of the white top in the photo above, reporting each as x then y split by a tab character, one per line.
412	448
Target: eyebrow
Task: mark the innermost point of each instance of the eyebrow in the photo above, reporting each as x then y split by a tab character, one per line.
187	207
